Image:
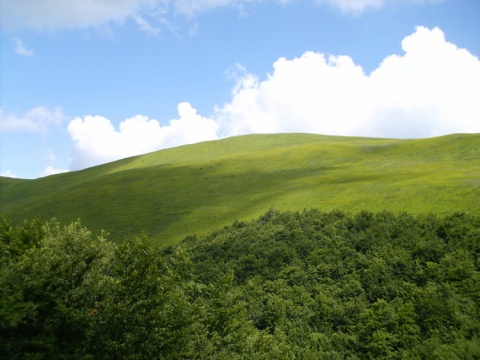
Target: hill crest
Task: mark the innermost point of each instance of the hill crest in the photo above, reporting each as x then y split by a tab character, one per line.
192	189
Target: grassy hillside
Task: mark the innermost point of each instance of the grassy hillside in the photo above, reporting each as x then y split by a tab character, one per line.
193	189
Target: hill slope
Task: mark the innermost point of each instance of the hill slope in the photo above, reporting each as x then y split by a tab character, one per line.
193	189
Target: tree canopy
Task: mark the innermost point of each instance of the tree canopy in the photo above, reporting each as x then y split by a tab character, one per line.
290	285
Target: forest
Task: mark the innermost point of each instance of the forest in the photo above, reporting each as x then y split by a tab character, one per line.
288	285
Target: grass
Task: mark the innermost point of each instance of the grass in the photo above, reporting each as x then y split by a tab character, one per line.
193	189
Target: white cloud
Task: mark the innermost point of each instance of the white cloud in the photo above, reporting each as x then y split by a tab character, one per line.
97	141
50	170
430	90
39	119
21	49
291	98
8	173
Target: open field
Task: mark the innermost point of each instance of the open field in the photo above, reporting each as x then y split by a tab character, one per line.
193	189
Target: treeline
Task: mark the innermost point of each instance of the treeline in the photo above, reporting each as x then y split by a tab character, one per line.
308	285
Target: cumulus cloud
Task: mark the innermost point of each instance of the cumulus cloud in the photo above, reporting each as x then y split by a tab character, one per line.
39	119
290	99
430	90
21	49
74	14
96	141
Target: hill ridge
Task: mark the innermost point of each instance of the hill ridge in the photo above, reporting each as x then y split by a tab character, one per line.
192	189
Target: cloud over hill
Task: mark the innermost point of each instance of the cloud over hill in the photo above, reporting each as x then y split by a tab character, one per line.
97	141
429	90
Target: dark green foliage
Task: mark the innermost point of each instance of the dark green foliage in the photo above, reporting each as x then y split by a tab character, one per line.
309	285
371	285
65	293
52	278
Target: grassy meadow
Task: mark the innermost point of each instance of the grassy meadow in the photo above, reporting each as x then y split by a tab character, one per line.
194	189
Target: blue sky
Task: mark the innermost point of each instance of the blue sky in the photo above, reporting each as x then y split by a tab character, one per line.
88	82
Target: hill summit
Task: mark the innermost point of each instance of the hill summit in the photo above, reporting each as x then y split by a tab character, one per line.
193	189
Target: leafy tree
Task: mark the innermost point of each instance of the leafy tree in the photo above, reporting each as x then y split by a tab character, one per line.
49	291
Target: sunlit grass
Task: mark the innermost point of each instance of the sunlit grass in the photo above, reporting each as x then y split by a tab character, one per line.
193	189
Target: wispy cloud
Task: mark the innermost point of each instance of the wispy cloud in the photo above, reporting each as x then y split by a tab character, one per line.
353	5
146	26
8	173
149	14
70	14
21	49
39	119
358	6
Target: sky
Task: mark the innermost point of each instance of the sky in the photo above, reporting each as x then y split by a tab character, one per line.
87	82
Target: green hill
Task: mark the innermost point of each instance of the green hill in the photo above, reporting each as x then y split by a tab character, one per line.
193	189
